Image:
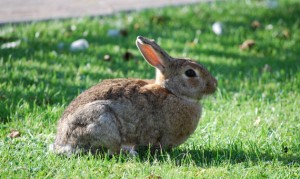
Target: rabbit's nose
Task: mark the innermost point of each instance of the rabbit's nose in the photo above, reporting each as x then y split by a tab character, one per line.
211	86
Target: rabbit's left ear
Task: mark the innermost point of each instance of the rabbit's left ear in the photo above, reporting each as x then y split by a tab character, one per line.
152	53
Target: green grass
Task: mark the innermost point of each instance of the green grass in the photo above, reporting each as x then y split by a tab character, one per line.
249	128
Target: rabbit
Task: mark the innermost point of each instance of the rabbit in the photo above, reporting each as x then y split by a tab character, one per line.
125	114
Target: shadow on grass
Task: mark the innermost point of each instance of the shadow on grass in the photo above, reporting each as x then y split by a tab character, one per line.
207	157
210	157
203	157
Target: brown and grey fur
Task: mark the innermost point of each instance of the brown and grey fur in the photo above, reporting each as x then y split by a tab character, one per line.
122	114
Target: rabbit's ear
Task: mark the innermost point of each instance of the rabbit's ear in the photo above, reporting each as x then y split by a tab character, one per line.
152	53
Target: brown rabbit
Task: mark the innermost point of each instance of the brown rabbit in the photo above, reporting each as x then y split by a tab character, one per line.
122	114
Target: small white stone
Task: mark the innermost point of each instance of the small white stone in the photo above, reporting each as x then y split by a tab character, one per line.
8	45
73	27
113	32
269	27
217	28
79	45
37	34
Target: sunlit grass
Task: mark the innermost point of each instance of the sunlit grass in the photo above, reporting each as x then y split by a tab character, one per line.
249	128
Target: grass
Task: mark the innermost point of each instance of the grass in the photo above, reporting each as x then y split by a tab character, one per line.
249	128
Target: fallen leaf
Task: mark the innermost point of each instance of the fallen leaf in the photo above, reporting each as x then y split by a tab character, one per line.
137	26
2	97
14	133
123	32
248	44
154	177
286	33
128	56
159	19
193	43
255	24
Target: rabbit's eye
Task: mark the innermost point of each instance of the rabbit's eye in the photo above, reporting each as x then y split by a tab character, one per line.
190	73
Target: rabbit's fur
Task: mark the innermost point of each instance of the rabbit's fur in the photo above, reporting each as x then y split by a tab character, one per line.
122	114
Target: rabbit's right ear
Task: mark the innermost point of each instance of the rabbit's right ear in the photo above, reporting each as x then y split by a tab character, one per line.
152	53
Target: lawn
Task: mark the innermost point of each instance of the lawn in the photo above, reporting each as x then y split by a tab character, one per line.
250	128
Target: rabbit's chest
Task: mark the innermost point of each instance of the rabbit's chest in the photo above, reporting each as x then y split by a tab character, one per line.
183	121
180	121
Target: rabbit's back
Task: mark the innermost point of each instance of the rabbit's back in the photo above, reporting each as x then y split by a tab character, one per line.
113	89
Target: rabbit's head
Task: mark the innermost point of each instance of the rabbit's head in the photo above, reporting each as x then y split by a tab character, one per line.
185	78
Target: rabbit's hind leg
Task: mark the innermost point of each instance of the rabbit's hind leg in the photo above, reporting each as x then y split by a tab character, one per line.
91	127
103	131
